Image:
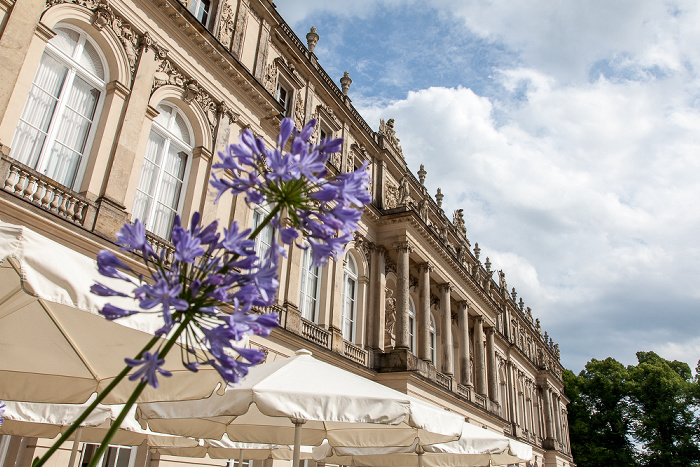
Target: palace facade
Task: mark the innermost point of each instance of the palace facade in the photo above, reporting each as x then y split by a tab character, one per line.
113	110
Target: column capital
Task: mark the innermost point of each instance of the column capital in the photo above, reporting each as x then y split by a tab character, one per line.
489	330
479	318
446	287
463	304
404	246
427	265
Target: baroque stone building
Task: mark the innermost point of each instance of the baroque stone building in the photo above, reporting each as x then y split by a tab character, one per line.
113	109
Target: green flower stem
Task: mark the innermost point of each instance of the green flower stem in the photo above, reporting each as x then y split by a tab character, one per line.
265	221
38	462
137	392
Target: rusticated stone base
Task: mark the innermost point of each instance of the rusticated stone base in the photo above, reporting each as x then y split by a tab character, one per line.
110	218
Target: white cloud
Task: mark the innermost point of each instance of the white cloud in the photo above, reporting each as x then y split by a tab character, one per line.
582	194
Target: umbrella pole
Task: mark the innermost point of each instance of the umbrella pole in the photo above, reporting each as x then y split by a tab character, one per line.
297	442
240	458
76	443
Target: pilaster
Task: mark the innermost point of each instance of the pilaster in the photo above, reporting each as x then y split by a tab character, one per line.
424	312
465	370
402	300
480	370
447	342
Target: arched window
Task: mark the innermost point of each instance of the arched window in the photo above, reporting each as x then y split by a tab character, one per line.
411	325
433	341
349	299
161	187
55	131
310	287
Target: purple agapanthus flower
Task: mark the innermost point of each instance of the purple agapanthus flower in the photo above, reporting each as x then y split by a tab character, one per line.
209	269
149	365
295	181
2	411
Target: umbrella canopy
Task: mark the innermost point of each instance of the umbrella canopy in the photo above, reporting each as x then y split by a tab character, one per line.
277	399
55	347
227	449
475	447
48	420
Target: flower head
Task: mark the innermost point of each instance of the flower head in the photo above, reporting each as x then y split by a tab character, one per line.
149	365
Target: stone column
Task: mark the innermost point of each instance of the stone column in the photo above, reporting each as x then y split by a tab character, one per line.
492	369
402	331
479	356
111	213
379	295
548	422
557	417
447	343
465	370
424	312
511	394
14	43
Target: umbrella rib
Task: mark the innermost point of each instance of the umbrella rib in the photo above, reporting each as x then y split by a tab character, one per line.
65	335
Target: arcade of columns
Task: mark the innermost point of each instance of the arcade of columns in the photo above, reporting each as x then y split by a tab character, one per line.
474	368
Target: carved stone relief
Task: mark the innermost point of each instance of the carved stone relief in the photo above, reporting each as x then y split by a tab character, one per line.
227	22
270	78
391	194
389	318
458	222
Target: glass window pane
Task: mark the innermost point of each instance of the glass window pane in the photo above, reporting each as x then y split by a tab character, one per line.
65	40
91	60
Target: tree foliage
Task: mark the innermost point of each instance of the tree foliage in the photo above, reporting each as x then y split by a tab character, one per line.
644	415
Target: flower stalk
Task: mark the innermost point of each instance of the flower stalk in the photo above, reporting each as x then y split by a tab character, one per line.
211	268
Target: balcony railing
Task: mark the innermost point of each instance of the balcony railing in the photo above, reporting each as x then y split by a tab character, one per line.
444	380
161	245
480	400
355	353
42	191
315	334
464	391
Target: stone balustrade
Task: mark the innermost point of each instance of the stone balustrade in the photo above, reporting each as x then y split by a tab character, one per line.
315	334
40	190
355	353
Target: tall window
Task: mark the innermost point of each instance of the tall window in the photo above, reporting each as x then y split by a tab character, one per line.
310	288
55	131
263	241
116	456
349	299
160	191
411	325
201	9
284	97
433	352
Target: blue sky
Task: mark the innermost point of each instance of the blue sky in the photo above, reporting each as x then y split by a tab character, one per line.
569	134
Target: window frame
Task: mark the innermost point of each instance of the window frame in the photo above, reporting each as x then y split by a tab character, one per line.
168	138
412	325
304	295
349	275
74	69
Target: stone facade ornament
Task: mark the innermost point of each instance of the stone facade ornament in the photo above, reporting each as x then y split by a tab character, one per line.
390	318
438	197
299	110
388	132
345	83
270	78
423	209
477	251
421	174
391	195
538	327
458	222
227	22
502	280
402	192
312	38
513	294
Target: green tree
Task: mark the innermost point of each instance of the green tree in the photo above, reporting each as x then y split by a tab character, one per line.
665	408
599	423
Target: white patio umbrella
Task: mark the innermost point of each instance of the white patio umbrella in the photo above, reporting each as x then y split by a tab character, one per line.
475	447
227	449
301	400
49	420
55	346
